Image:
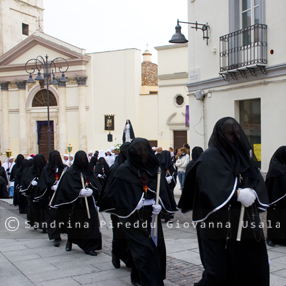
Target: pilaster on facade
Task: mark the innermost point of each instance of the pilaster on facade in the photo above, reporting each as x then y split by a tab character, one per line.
81	80
5	116
21	84
22	117
4	86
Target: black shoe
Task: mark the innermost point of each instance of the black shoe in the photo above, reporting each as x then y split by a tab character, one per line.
135	283
270	242
68	246
115	260
57	242
92	253
135	278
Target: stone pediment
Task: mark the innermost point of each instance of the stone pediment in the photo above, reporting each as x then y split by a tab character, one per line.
12	63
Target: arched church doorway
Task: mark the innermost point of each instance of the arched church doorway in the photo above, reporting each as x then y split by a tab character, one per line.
40	100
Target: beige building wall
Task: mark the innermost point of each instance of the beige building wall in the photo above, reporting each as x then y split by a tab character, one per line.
22	12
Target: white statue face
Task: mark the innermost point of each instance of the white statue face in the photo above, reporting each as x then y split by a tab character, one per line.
127	126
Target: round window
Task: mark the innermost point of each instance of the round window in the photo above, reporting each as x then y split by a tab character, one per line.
179	100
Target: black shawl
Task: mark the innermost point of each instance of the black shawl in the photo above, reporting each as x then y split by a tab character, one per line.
276	176
138	173
70	185
50	174
213	180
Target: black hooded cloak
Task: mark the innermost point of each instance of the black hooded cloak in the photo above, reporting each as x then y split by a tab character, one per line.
211	192
35	211
276	187
17	166
196	152
81	230
134	180
50	175
21	173
120	248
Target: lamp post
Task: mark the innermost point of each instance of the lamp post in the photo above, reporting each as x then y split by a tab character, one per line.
179	38
49	69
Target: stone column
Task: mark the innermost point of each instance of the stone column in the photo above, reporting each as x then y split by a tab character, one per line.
62	117
81	81
5	117
22	118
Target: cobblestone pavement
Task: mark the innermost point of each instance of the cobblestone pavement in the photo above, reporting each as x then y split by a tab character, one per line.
28	258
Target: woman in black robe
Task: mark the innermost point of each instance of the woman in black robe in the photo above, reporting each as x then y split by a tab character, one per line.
222	180
21	173
35	211
101	170
170	173
3	173
3	189
196	152
120	249
46	187
17	166
131	196
71	198
276	186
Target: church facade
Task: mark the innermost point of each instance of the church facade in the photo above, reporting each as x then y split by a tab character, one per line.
89	111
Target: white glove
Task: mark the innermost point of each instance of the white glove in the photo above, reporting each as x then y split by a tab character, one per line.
169	179
99	176
246	197
85	192
156	209
140	205
34	183
54	187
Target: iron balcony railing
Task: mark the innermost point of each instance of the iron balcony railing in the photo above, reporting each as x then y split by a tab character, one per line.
243	48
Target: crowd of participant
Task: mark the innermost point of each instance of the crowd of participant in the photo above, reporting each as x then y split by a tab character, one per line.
222	186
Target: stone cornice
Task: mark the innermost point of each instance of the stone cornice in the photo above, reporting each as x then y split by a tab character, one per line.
25	76
272	71
173	76
73	58
167	47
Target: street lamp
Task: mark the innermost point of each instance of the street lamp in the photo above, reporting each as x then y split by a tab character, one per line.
179	38
49	69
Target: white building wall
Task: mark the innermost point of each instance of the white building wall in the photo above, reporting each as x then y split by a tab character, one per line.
114	85
26	12
222	97
172	79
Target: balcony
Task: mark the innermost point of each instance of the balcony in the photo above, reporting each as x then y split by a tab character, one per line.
243	50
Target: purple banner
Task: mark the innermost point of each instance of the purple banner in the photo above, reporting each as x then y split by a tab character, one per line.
187	116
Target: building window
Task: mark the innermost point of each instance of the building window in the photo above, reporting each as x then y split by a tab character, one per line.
25	29
250	121
40	99
250	15
179	100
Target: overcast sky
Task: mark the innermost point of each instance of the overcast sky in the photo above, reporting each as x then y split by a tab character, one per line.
106	25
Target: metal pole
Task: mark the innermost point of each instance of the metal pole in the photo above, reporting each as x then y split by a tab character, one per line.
47	76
